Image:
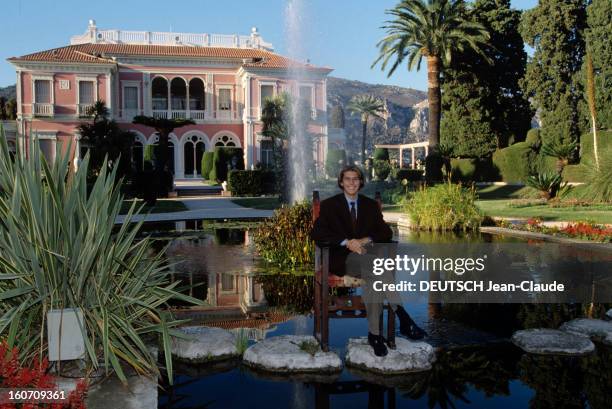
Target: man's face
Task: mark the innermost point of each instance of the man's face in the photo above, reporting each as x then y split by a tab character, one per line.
350	183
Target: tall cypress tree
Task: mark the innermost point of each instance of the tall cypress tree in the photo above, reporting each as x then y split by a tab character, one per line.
555	29
483	104
597	36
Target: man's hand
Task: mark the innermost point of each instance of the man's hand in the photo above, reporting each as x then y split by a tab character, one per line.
355	246
365	241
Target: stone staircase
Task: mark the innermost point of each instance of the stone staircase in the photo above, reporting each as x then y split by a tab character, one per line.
195	187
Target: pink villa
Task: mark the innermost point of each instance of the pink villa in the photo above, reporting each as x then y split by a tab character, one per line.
219	81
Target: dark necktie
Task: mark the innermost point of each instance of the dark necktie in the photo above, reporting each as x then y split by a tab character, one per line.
354	217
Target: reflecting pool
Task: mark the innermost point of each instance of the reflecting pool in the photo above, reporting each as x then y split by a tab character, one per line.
476	366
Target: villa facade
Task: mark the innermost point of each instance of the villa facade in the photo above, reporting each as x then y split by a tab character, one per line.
218	81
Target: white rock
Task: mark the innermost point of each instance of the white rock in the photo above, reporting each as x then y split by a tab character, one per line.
598	329
207	344
552	341
140	393
409	356
283	354
609	314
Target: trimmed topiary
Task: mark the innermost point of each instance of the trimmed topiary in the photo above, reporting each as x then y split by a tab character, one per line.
245	182
381	154
515	163
335	161
382	168
226	158
208	159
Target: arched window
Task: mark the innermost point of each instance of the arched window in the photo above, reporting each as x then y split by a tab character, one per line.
159	94
193	150
178	94
226	140
197	96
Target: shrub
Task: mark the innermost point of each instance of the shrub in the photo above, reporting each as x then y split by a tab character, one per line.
226	158
284	239
445	206
382	168
411	175
59	248
381	154
515	163
533	138
245	182
604	143
464	169
208	160
335	161
547	184
599	183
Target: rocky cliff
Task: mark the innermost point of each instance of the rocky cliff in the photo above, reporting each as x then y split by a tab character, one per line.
405	122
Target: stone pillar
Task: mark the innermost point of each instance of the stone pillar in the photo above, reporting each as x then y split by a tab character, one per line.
413	164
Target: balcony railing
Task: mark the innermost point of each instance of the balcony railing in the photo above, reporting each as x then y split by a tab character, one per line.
41	109
197	115
83	108
160	114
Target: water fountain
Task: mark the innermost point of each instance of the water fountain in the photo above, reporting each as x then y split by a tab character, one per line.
300	143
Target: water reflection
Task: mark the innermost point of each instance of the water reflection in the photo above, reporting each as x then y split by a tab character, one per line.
476	367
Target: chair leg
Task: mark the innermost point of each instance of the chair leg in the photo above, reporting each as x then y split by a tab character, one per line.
391	328
325	300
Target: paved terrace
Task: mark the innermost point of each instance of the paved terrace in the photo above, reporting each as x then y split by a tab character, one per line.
209	208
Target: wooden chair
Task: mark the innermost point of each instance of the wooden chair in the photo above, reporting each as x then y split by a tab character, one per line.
328	306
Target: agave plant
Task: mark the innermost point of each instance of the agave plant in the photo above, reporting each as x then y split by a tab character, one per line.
549	185
564	152
59	248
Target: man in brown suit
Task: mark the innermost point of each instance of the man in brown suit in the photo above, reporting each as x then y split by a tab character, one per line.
351	223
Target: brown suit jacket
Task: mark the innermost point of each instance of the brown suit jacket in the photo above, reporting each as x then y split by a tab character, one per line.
334	225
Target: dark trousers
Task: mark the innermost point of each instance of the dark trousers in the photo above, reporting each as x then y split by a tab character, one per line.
360	265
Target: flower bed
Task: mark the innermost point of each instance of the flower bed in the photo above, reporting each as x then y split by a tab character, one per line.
575	230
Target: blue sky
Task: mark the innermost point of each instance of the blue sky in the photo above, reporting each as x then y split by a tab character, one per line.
341	34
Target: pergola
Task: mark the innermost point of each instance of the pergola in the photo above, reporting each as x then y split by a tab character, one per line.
411	146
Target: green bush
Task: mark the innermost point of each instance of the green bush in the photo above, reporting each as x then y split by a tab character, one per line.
533	138
336	160
604	143
381	154
515	163
599	183
245	182
60	248
411	175
445	206
284	239
226	156
464	169
548	185
208	159
382	168
575	173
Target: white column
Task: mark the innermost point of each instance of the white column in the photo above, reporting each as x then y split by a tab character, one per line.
209	92
76	161
401	155
109	97
248	134
412	164
426	151
187	113
169	107
146	94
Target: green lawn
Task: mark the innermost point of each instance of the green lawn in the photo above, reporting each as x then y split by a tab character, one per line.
162	206
262	203
502	208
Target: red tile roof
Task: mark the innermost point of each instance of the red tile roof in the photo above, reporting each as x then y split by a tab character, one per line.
102	53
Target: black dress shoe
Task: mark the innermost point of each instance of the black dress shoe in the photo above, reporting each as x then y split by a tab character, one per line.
408	327
378	343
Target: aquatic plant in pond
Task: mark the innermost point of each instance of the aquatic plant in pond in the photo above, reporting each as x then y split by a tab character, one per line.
59	248
284	239
446	206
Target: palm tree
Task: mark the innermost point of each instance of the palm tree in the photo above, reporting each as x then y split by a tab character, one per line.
434	29
367	106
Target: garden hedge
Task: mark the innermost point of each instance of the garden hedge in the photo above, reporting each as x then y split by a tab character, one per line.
381	154
412	175
516	162
336	160
224	156
382	168
604	142
208	159
251	182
